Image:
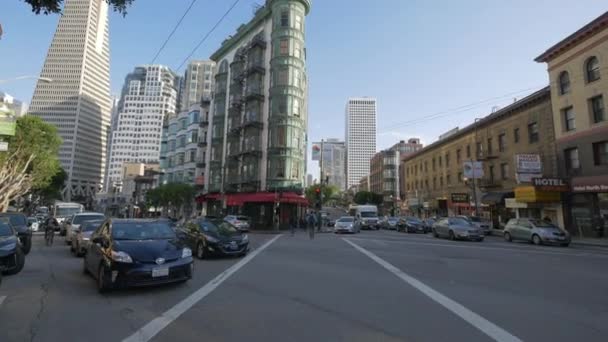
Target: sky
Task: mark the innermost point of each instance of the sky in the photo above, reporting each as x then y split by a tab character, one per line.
457	59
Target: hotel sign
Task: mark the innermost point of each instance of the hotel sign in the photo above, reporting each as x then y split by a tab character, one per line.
551	184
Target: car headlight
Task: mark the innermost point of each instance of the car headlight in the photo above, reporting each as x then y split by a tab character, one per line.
245	238
186	252
86	239
121	257
8	247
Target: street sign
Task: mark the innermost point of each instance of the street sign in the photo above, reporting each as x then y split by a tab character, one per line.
473	169
3	146
460	197
528	163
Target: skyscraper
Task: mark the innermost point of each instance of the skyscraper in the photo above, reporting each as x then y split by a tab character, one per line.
148	95
196	84
360	137
77	100
334	162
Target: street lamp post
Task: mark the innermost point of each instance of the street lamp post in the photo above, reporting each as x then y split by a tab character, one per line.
27	77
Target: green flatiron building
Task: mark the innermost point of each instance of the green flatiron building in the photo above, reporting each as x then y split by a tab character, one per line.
257	158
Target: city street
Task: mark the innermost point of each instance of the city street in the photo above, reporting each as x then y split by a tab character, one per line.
373	286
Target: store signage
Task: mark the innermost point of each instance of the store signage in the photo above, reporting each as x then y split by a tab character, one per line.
460	198
551	184
590	188
3	146
473	170
528	163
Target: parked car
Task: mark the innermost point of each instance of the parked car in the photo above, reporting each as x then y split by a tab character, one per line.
19	222
12	257
331	223
33	223
411	224
208	237
479	223
81	236
136	252
240	222
428	224
76	220
456	228
536	231
346	224
390	223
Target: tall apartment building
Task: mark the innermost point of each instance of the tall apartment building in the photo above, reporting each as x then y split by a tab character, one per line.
384	178
334	162
360	137
405	149
77	100
149	94
197	84
578	71
17	107
259	121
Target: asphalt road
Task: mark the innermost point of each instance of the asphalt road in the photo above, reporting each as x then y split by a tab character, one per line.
373	286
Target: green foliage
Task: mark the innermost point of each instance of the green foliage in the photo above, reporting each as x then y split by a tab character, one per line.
52	191
54	6
330	192
366	197
173	195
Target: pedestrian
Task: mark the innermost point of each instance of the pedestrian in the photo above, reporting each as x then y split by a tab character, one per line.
311	224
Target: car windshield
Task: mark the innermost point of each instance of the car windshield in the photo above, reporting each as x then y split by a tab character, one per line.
459	221
392	219
89	226
414	220
543	224
16	219
218	227
5	229
78	219
369	214
346	219
242	218
142	231
67	211
32	220
474	219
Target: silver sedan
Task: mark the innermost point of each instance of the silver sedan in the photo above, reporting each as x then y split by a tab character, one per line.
455	228
346	224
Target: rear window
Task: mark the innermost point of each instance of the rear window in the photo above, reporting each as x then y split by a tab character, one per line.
78	219
142	231
17	219
242	218
346	219
5	229
90	226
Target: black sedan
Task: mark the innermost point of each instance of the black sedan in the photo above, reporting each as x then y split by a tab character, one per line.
19	223
411	225
209	237
129	252
12	258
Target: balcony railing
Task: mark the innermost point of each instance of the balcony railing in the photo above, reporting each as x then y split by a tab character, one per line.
202	142
204	122
490	183
255	94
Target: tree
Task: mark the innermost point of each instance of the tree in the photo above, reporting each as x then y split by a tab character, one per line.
176	196
52	191
31	160
54	6
329	193
366	197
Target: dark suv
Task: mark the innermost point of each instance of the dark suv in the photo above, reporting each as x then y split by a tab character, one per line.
19	223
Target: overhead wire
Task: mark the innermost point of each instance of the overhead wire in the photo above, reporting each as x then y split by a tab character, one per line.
177	25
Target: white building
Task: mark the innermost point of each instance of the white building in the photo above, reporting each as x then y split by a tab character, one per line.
360	137
334	163
197	84
148	95
18	107
77	100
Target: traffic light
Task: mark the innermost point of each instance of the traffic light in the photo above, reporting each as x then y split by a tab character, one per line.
319	197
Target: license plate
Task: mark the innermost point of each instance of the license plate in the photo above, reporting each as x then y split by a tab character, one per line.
160	272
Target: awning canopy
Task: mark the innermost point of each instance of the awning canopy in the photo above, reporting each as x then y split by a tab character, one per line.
256	197
496	197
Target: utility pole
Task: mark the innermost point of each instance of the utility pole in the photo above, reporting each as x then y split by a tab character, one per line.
321	179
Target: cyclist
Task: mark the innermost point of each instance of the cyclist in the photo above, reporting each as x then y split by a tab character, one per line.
49	229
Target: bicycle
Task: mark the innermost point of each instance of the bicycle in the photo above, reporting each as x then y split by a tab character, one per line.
49	234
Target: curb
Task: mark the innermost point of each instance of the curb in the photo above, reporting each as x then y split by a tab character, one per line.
589	244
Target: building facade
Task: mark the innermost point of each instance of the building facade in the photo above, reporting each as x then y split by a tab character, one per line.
334	162
196	85
405	149
260	115
17	107
384	179
149	95
77	100
360	137
578	72
435	177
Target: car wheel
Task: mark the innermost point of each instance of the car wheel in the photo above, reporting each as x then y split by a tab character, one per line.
508	237
452	236
26	245
20	256
536	240
435	233
200	251
565	244
102	281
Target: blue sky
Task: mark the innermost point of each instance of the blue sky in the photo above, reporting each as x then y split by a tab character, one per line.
416	57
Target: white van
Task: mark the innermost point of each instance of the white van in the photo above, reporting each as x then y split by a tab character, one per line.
366	217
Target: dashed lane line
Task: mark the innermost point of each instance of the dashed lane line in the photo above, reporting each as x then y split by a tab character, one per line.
485	326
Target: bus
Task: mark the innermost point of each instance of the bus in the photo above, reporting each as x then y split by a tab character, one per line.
63	210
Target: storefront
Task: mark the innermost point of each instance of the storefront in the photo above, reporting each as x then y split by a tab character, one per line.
534	202
496	210
460	204
588	206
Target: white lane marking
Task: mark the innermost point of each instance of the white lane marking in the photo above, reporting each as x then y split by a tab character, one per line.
487	327
471	246
2	298
148	331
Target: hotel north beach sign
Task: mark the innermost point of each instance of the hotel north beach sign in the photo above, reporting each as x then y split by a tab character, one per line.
551	184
